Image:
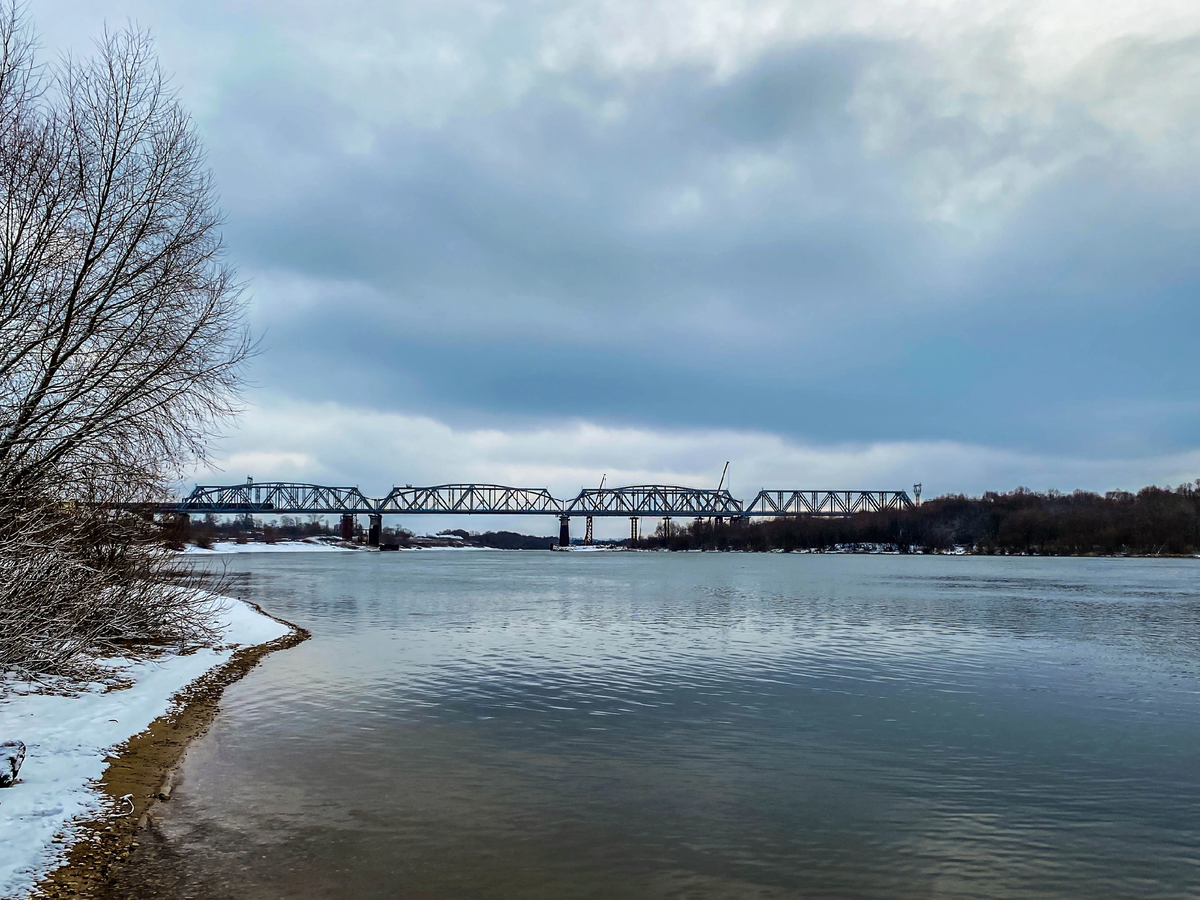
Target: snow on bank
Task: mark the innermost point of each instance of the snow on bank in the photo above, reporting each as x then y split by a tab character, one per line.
68	738
280	547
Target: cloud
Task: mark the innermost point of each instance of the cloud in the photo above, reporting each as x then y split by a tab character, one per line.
830	225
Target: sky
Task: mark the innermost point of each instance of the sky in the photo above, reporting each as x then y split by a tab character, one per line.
840	244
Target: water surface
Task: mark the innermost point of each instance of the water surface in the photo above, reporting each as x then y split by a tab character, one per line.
490	724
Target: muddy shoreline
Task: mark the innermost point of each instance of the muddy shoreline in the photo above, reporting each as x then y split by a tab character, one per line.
143	768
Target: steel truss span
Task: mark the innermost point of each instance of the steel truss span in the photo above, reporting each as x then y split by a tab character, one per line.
277	497
825	503
654	500
468	499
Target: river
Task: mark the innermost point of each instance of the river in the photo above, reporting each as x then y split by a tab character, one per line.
651	725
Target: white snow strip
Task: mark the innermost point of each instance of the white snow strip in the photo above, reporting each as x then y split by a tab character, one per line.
281	547
68	738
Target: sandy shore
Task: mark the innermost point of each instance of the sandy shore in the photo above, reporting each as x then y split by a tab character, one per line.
72	828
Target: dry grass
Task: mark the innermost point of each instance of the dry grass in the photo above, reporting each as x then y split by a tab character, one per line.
78	585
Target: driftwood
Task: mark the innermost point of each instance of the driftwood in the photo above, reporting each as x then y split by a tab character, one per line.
12	755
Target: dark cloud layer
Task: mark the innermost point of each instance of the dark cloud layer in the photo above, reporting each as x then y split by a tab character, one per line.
670	248
963	225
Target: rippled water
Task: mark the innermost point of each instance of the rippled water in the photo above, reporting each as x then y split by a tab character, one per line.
488	724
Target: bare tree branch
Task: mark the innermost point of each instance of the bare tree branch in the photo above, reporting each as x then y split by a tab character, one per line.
121	330
122	343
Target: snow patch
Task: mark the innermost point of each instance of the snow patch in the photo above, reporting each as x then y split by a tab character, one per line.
280	547
69	737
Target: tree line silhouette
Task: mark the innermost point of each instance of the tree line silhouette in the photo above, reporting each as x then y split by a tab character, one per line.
1154	522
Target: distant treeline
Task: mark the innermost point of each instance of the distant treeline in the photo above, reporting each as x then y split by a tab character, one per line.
204	532
502	540
1154	521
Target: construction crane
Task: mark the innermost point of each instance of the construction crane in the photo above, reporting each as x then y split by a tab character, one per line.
721	484
588	538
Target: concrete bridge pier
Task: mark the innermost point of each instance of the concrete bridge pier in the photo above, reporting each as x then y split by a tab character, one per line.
588	538
374	530
633	528
564	531
347	528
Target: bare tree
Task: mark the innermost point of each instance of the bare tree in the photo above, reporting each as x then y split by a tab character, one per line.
122	344
122	339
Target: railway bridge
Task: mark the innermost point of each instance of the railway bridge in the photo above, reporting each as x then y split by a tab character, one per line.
663	501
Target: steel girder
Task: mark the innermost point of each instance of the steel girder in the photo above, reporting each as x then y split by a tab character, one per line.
825	503
653	500
469	499
275	497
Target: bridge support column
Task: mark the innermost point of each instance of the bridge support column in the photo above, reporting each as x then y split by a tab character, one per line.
666	527
374	530
347	528
564	531
633	528
587	535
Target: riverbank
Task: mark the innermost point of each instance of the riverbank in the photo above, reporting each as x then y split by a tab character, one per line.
99	756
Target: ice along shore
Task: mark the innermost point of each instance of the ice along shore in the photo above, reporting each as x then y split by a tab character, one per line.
100	757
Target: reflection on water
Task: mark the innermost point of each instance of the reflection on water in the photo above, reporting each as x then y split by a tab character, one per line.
487	724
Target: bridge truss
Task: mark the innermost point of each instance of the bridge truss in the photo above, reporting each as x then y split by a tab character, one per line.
469	499
825	503
277	497
662	500
653	500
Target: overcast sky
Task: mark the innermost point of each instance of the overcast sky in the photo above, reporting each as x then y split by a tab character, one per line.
841	244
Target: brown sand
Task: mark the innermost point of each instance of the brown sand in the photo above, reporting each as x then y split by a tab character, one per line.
144	767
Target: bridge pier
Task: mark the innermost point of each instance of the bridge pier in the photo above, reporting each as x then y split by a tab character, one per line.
633	528
374	530
588	540
347	528
564	531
